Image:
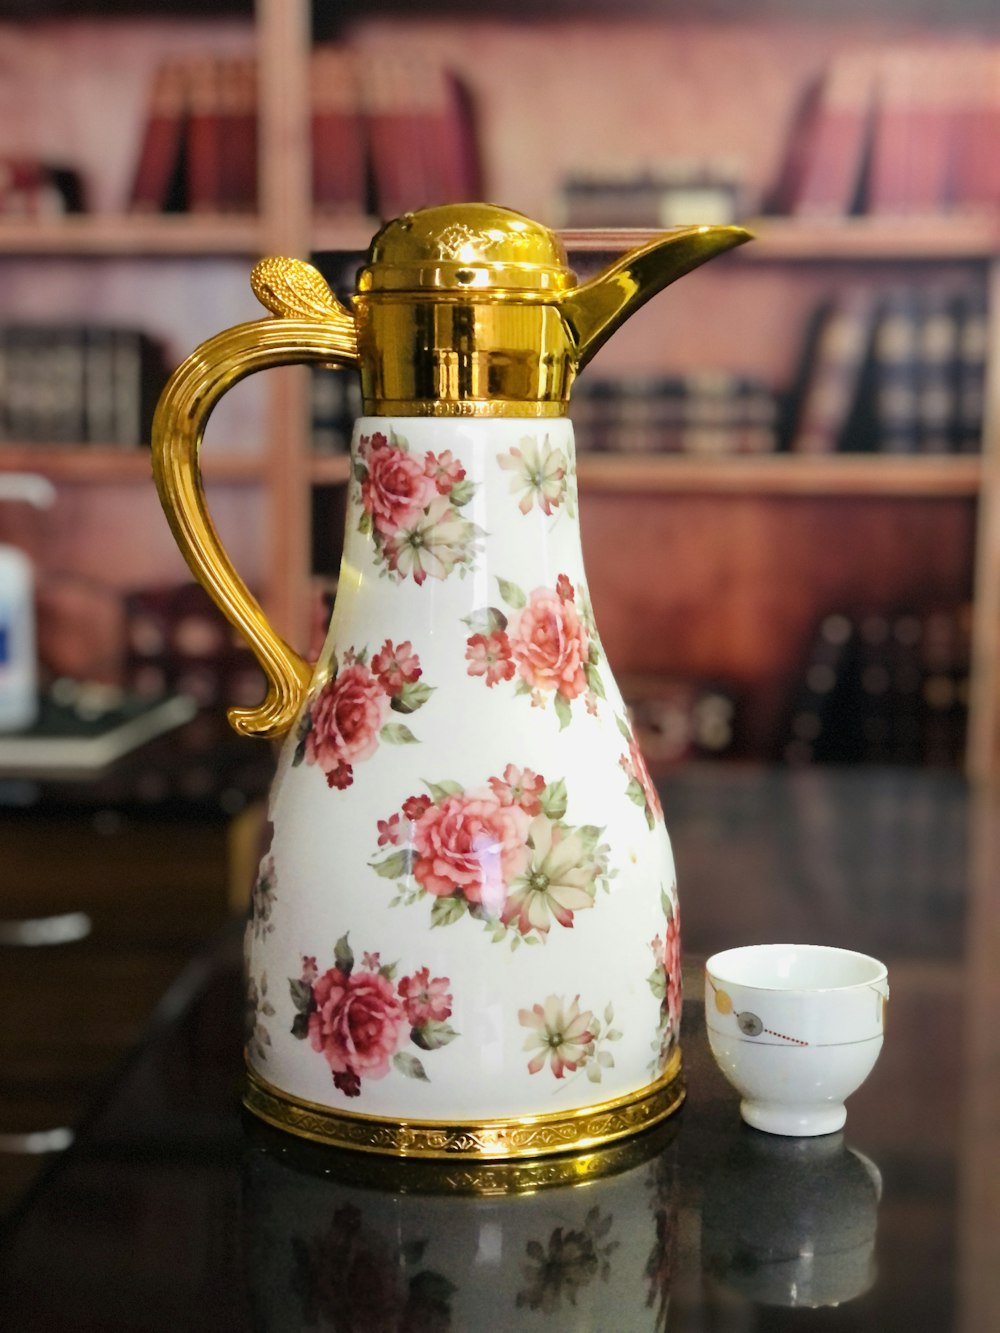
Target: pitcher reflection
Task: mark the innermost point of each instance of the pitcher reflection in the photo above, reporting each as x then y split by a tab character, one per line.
338	1242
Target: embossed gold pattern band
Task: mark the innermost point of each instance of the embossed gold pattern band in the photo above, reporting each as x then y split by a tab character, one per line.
459	1175
524	1136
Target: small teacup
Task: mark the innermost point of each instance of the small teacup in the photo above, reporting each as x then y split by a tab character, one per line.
795	1028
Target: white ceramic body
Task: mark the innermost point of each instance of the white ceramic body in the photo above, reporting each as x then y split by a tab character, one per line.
796	1029
468	907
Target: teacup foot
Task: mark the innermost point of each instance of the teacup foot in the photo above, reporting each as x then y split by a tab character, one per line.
794	1121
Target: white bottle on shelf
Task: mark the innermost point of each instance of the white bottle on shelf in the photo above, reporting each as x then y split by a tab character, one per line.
18	656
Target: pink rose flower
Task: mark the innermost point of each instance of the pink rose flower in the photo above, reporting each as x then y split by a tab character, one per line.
357	1025
672	966
347	715
473	844
520	786
390	831
489	656
425	999
414	807
551	644
444	470
396	667
395	487
637	769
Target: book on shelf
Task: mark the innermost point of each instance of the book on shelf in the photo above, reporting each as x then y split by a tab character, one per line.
68	741
836	351
676	194
900	373
339	137
390	132
906	129
335	400
710	412
824	166
885	687
78	384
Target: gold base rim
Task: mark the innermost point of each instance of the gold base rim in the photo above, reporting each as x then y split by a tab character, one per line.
516	1137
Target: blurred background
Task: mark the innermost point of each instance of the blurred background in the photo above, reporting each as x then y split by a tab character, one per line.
788	465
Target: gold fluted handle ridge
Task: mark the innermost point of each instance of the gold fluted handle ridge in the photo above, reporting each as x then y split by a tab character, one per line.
301	335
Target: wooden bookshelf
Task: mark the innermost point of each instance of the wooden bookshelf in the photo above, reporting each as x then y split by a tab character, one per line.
781	474
281	472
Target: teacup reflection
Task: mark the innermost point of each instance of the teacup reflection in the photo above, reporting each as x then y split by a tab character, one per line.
791	1221
341	1241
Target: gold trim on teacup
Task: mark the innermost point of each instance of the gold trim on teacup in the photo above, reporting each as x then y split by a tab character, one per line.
517	1137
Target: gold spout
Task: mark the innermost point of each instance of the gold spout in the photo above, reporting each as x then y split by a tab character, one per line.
593	311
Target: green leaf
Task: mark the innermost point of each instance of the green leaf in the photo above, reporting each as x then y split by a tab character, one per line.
554	799
658	983
635	792
512	594
563	711
487	620
440	791
301	993
396	733
412	696
462	492
365	523
433	1034
359	470
446	911
410	1066
594	680
395	865
343	955
590	836
300	1026
623	728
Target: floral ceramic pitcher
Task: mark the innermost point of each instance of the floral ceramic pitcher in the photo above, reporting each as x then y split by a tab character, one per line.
464	936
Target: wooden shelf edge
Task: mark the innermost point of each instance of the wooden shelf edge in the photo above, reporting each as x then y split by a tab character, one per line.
329	469
782	474
944	237
156	235
97	464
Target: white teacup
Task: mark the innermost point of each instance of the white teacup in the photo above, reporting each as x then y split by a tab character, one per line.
795	1028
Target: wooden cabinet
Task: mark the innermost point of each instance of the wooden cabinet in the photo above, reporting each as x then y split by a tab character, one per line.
715	567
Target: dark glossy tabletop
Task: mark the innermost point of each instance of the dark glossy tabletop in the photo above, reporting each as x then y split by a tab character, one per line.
172	1212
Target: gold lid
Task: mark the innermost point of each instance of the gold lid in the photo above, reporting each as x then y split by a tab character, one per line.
467	249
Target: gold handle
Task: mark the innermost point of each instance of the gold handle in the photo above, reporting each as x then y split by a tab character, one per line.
312	327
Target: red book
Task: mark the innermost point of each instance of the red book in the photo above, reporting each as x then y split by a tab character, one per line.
339	165
203	145
160	151
975	180
389	83
833	158
237	134
912	139
448	141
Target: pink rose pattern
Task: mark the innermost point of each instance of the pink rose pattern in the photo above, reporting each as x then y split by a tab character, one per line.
639	788
665	982
346	719
411	507
360	1019
501	853
548	641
